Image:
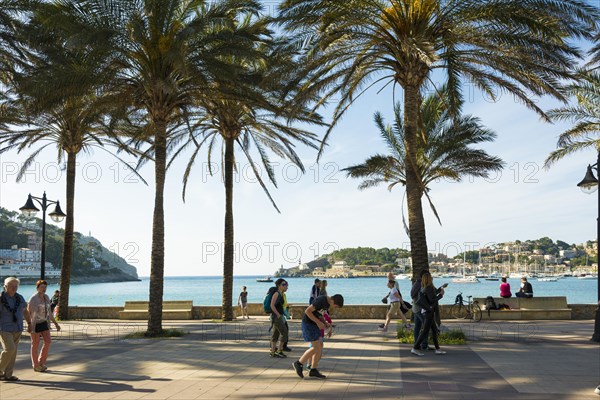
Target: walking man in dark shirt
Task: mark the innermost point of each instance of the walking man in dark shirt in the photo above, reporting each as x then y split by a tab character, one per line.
312	324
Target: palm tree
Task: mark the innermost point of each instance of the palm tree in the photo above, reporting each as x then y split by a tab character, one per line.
250	113
595	52
11	53
63	107
444	150
519	47
585	134
165	54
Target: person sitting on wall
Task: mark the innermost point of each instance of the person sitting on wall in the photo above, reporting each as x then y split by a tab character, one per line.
526	289
505	288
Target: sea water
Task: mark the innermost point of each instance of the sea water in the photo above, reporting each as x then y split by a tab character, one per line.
207	290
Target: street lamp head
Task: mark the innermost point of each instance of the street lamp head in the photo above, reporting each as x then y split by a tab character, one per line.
57	215
589	184
29	209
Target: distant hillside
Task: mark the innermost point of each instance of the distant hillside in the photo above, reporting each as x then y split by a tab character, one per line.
368	256
14	228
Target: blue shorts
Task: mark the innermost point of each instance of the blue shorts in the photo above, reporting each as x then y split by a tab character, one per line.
310	332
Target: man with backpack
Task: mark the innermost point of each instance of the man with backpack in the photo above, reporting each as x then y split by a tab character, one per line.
273	304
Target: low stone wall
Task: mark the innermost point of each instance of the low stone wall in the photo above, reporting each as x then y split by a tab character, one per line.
350	311
94	312
583	311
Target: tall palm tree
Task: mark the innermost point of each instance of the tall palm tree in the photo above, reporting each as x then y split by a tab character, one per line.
10	50
250	114
585	134
165	54
58	89
444	150
11	54
595	52
519	47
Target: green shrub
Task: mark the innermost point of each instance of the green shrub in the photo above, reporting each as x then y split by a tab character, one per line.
453	336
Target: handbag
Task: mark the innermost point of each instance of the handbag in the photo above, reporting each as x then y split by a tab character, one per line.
405	306
384	300
41	327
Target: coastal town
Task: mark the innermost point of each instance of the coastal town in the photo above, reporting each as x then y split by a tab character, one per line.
541	258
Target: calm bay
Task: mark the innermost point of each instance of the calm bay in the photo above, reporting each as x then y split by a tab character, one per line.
207	290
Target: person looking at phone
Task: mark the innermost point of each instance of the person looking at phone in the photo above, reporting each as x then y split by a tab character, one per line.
428	302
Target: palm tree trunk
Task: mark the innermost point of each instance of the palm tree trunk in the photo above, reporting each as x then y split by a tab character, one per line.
414	192
157	259
67	254
227	310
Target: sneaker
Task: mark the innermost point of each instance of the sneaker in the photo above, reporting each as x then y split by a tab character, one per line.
416	352
597	391
280	354
298	368
381	325
440	352
308	366
287	349
382	329
314	373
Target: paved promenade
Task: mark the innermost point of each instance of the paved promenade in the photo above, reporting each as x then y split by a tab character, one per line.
503	360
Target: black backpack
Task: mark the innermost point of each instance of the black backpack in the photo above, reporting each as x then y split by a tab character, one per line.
490	304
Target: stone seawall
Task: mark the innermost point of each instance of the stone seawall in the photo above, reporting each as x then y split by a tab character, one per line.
367	311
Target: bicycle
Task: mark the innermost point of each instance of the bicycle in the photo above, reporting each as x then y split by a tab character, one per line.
471	310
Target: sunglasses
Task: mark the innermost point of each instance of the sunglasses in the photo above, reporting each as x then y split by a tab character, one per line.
284	284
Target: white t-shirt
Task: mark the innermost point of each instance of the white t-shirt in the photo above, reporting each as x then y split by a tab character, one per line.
394	295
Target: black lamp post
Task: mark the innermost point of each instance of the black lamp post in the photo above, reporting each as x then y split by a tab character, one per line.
589	185
29	210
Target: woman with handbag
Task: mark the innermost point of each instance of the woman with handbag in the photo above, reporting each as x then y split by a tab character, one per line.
427	300
397	306
41	317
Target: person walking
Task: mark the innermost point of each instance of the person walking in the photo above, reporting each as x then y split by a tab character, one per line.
428	301
395	302
243	303
286	315
314	291
418	317
323	288
312	324
13	308
505	288
54	301
279	326
41	317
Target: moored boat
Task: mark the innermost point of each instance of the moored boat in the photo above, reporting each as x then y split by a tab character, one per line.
466	279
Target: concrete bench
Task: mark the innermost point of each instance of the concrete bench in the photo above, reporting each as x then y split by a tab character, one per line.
528	308
176	309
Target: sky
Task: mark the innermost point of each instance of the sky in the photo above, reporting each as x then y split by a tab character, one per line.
322	210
